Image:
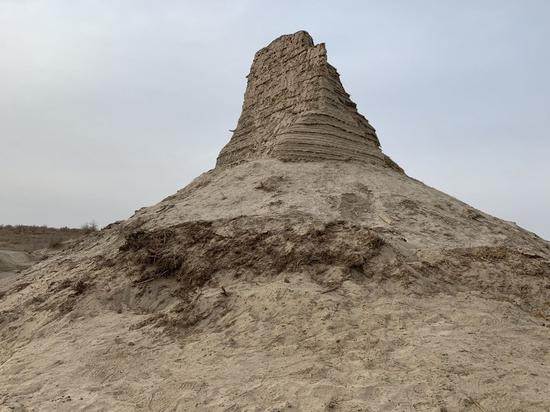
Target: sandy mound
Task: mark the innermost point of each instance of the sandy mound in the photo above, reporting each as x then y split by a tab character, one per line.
304	285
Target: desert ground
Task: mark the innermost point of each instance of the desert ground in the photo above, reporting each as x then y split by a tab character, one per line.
317	286
305	272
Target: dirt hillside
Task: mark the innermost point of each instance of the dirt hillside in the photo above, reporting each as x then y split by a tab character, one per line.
287	283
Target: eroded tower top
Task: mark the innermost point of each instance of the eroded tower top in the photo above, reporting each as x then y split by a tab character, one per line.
296	109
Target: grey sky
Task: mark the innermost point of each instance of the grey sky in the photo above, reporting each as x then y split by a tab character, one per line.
108	106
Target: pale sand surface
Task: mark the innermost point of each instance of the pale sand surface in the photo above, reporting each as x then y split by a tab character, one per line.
447	308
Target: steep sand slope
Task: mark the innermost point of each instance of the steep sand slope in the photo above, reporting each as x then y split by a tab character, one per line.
286	286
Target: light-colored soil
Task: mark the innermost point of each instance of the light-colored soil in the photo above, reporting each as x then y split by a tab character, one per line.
286	286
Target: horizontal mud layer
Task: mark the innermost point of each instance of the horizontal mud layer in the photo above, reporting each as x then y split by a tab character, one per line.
296	109
194	251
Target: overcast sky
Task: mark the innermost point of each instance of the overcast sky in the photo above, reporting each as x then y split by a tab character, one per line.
108	106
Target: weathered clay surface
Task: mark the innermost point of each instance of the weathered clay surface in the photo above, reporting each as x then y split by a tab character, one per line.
295	286
296	109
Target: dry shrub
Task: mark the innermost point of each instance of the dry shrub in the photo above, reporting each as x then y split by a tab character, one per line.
194	251
79	287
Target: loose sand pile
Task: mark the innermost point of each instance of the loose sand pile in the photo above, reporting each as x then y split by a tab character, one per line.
307	284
